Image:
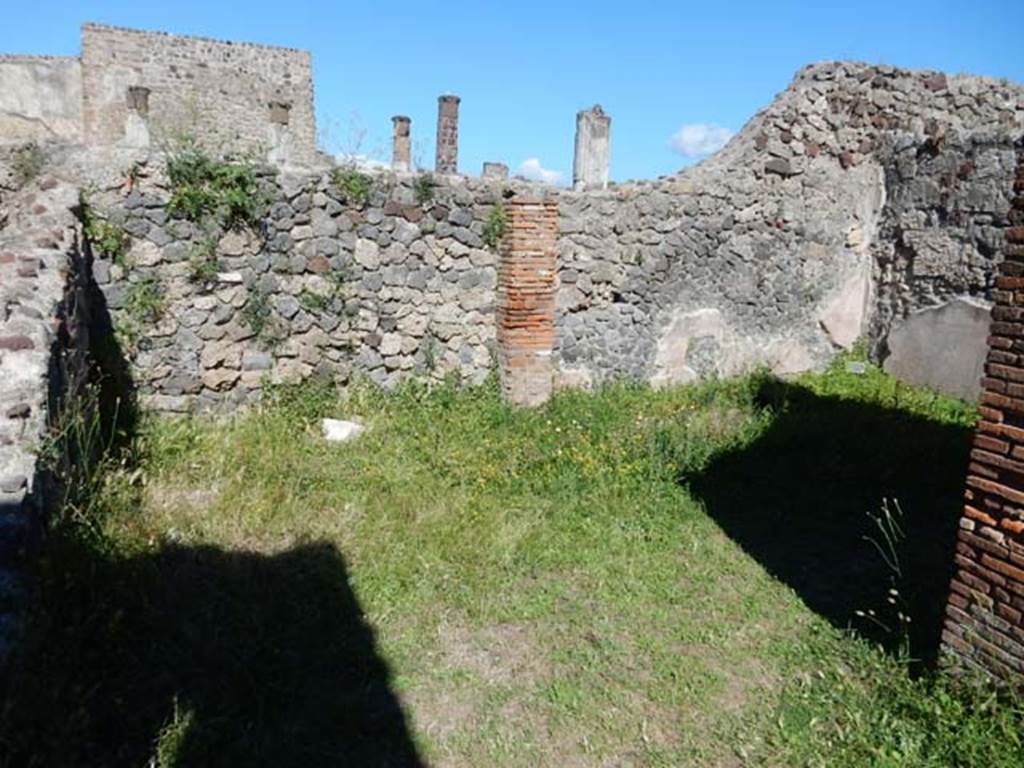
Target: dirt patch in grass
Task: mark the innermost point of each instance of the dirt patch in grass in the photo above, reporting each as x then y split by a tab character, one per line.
496	654
442	712
483	694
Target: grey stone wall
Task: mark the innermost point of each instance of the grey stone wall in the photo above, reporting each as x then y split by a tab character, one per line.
231	95
785	246
939	242
383	289
44	341
41	98
861	197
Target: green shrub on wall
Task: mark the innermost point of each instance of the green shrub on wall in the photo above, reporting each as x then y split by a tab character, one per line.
27	162
423	188
203	265
354	185
144	305
259	316
494	228
108	240
205	188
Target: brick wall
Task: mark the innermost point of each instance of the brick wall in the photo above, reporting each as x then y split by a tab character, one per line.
526	300
984	626
229	94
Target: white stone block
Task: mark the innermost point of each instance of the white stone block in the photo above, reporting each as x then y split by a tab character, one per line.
340	431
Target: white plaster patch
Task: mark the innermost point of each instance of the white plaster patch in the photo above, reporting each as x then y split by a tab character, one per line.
670	366
845	313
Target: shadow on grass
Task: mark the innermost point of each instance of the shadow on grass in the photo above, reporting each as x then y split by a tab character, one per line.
228	659
798	498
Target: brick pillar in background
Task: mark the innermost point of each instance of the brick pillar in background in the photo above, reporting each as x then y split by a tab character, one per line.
446	157
984	628
526	300
400	142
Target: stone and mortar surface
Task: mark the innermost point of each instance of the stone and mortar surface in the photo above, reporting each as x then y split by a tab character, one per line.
43	360
41	98
386	289
234	96
861	196
863	203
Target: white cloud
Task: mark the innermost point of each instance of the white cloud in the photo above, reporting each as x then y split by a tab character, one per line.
699	139
363	162
533	170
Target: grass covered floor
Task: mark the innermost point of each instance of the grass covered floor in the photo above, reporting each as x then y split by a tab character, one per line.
624	578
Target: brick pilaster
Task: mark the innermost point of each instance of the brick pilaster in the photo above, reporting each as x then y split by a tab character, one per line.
526	300
984	626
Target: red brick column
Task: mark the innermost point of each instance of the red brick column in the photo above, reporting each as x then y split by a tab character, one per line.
984	627
526	300
446	149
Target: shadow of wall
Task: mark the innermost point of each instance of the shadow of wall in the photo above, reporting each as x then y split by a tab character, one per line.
238	659
798	500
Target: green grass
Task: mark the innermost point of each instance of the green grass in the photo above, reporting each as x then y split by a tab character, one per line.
628	577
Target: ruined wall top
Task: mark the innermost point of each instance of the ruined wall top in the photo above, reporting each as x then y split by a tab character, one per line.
133	88
239	95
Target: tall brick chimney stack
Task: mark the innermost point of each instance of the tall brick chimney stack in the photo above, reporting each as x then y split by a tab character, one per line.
400	142
446	159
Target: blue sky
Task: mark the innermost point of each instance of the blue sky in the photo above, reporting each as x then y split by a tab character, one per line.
523	69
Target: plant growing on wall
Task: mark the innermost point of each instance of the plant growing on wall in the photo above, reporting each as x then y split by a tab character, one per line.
314	302
336	292
108	240
204	188
494	228
144	305
144	300
27	163
258	315
354	185
423	188
203	265
430	352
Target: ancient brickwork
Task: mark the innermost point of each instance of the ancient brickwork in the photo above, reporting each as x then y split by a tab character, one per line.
234	96
44	339
939	240
985	616
446	158
400	142
526	300
727	266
